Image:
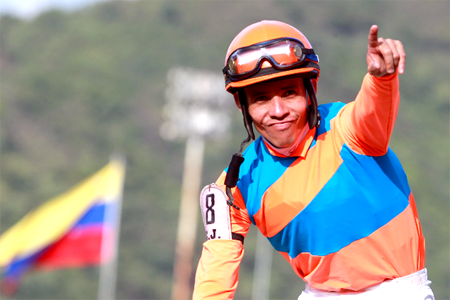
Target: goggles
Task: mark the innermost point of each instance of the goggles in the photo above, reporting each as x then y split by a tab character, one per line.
283	54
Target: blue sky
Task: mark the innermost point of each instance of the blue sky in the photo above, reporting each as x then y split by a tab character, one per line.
28	9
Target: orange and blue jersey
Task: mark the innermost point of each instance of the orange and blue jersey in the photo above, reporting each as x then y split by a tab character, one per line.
339	209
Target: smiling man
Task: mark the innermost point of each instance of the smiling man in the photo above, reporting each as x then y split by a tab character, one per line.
321	182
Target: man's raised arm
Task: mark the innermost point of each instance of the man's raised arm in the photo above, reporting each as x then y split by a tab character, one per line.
367	123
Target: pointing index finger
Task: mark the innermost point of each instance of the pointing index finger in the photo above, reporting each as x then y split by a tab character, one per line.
373	36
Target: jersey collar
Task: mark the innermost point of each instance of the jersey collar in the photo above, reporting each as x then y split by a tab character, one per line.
300	150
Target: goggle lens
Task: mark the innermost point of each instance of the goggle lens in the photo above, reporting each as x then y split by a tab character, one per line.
280	53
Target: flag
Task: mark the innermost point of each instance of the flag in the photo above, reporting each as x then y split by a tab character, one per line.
75	229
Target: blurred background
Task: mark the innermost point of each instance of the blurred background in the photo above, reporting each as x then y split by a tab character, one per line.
83	79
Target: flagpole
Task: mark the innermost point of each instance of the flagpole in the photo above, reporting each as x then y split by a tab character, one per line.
187	220
196	109
263	268
108	269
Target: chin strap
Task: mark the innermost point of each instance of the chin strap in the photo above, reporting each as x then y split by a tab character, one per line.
314	116
247	119
233	169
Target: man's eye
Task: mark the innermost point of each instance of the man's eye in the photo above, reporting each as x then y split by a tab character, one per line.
290	93
260	98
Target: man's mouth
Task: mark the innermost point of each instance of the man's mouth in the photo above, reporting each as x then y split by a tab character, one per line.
281	125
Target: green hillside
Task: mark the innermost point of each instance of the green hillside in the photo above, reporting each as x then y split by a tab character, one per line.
76	87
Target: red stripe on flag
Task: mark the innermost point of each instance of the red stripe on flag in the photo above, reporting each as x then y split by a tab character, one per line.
80	247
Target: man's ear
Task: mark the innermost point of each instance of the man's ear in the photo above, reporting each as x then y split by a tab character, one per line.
236	100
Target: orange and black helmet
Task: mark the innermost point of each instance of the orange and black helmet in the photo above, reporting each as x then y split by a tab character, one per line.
268	50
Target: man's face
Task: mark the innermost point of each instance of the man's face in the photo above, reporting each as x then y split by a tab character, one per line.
278	109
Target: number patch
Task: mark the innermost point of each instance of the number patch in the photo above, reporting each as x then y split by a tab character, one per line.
215	213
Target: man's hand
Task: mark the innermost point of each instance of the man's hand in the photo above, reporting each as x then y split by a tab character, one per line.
384	56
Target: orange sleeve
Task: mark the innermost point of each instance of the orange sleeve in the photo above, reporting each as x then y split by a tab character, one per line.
218	270
366	124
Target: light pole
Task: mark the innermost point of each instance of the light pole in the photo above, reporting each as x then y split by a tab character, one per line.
263	268
196	109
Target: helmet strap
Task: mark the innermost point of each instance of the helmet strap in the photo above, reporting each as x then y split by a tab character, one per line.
244	108
232	176
314	116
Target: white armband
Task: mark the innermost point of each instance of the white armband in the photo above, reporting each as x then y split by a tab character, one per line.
215	213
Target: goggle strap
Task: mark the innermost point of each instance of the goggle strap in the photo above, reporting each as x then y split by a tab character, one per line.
308	51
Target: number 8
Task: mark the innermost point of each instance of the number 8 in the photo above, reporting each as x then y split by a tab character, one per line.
210	215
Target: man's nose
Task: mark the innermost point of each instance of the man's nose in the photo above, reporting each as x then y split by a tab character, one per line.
278	109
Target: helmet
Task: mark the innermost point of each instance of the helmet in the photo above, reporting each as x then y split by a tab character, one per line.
263	32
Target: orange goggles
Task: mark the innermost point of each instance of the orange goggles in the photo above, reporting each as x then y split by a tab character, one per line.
283	54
